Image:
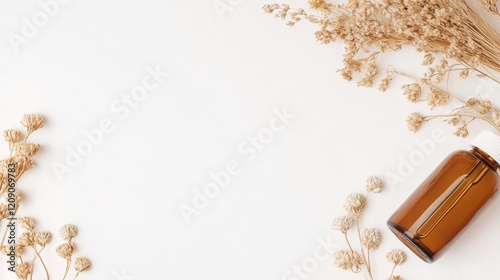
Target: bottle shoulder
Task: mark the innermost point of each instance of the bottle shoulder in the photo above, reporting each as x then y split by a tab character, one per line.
464	159
462	154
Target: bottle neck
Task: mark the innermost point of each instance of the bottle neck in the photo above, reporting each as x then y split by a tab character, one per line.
486	158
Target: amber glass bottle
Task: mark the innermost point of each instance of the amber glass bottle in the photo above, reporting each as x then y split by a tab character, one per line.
449	198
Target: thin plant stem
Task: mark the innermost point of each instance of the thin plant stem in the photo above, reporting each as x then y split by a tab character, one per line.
41	260
351	249
392	272
365	260
348	243
368	257
68	265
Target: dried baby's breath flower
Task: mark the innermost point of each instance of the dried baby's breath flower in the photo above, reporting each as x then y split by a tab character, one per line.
384	83
464	73
342	223
437	97
42	238
414	121
450	33
475	61
428	59
67	232
65	250
27	239
490	6
4	211
371	238
3	165
26	149
396	257
18	250
24	163
354	204
412	91
22	270
32	122
18	197
374	184
27	251
27	223
12	135
81	264
317	4
270	8
283	12
484	106
473	101
346	73
369	67
347	260
455	121
461	132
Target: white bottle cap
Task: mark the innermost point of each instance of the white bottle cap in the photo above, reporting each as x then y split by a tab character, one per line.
489	143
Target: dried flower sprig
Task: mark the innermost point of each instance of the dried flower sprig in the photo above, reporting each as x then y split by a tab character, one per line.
369	238
397	257
12	168
65	251
490	6
81	265
36	241
29	238
444	30
461	117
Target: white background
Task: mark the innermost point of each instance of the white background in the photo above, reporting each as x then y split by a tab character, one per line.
229	72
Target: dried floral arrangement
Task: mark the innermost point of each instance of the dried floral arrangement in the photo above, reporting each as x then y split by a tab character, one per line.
369	238
24	252
453	37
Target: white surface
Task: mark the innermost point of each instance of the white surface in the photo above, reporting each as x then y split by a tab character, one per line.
227	77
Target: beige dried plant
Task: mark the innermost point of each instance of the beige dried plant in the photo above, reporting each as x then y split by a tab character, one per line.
369	238
490	6
25	248
452	35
